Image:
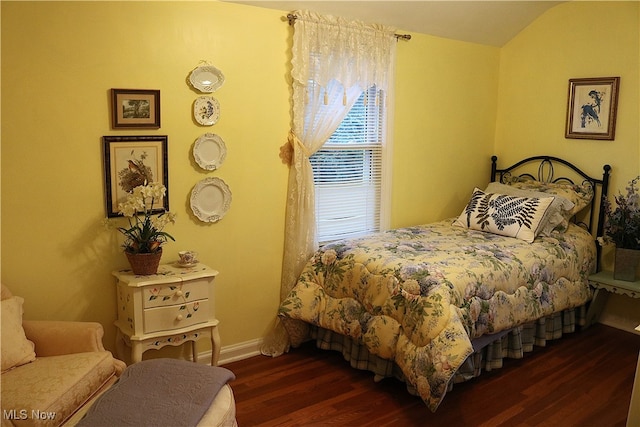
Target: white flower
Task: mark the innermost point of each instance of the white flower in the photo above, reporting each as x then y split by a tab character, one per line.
145	234
159	222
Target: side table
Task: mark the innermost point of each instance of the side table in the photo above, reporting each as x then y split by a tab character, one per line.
604	283
174	306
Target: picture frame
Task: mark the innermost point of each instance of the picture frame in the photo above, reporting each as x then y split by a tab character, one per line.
129	161
592	108
135	108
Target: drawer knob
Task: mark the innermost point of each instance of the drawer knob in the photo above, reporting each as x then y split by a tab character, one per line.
179	317
178	293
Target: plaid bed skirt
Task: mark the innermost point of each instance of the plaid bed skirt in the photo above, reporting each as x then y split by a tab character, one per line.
490	350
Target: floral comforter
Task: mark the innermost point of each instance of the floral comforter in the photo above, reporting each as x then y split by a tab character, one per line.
419	295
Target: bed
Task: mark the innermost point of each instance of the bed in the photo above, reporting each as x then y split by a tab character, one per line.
440	303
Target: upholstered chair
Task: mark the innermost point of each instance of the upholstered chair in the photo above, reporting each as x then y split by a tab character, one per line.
51	370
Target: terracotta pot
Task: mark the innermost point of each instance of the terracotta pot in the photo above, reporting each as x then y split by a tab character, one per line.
626	264
144	264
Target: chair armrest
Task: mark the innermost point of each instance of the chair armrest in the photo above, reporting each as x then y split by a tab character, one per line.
54	338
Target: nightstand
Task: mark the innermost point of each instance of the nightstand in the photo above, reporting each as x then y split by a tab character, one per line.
605	283
172	307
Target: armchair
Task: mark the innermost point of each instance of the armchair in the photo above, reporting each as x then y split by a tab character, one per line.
51	370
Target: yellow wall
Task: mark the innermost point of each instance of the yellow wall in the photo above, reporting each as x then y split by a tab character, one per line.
535	68
59	61
572	40
444	126
453	102
575	40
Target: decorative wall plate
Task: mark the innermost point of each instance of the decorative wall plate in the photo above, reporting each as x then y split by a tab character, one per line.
206	78
206	110
210	199
209	151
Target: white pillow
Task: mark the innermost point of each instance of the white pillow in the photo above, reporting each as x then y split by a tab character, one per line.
554	219
16	348
579	194
506	215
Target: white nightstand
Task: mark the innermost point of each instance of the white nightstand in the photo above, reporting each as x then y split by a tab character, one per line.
604	283
168	308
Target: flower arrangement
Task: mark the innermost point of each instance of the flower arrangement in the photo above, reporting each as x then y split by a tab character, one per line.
145	234
622	224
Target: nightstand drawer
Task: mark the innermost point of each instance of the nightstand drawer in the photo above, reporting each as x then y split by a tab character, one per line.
175	293
176	316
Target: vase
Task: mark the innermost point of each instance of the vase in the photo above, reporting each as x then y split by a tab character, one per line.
626	264
144	264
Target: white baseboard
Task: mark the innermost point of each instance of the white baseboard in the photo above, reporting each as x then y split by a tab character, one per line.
234	352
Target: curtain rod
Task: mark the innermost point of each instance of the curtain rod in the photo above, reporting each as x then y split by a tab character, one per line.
292	18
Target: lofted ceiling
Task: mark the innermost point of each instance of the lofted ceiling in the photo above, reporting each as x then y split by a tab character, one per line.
481	21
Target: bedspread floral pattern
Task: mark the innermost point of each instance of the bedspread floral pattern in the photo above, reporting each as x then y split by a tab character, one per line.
418	295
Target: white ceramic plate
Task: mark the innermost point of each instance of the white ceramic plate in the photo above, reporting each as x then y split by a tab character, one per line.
206	110
210	199
206	78
209	151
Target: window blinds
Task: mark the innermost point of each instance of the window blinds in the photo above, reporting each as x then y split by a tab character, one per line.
348	173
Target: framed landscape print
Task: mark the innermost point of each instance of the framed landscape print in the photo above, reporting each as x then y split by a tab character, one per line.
130	161
135	108
592	108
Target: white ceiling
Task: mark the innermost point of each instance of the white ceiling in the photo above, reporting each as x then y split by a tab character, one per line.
481	21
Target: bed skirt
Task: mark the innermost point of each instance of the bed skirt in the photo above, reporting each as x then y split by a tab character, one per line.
489	350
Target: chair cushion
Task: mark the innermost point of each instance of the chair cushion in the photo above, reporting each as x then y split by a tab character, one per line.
56	385
16	348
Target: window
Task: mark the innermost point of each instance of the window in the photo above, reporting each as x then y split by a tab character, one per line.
347	172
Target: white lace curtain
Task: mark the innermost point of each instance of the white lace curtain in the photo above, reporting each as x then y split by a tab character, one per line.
333	62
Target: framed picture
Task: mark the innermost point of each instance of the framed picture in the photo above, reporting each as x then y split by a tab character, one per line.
130	161
135	108
592	108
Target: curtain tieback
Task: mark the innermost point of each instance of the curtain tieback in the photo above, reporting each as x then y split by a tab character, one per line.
287	150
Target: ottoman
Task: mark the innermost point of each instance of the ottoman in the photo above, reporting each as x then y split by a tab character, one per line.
222	412
166	392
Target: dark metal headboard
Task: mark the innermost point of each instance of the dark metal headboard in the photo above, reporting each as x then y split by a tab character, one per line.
546	173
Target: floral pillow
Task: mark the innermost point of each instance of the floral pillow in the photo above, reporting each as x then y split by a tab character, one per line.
506	215
580	195
554	219
16	348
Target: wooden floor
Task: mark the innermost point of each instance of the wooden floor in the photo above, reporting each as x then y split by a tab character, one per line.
584	379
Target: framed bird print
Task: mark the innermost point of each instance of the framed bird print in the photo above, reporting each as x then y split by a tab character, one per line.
135	108
592	108
131	161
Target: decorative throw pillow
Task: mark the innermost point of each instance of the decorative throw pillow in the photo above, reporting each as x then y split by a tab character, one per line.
16	348
555	217
506	215
580	195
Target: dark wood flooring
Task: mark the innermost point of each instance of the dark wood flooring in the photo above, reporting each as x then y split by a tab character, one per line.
584	379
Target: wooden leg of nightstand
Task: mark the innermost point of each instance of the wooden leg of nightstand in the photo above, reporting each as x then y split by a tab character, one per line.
215	346
597	304
194	351
136	351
